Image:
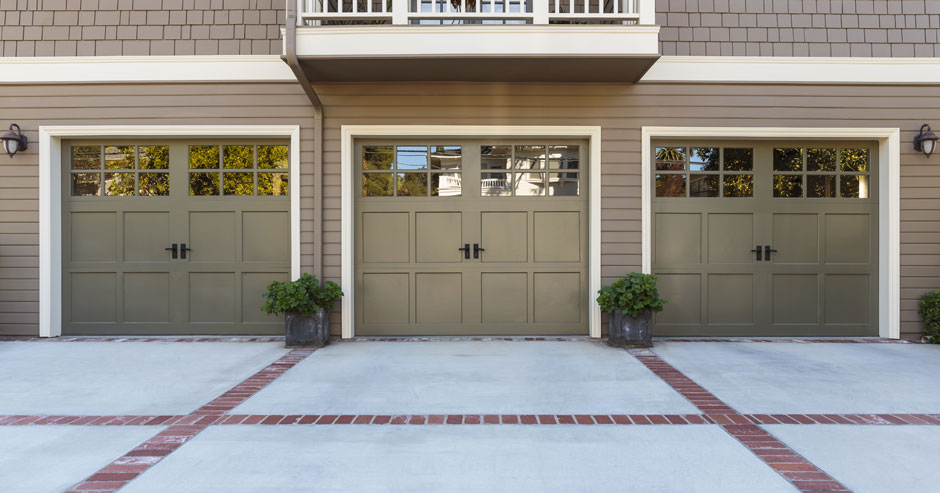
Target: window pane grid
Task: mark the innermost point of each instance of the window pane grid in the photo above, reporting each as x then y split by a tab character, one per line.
425	170
704	171
238	170
119	171
530	170
821	173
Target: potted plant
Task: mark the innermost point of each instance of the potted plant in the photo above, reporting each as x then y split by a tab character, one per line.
930	311
630	303
306	306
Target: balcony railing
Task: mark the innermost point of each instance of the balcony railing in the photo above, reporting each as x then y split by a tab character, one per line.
452	12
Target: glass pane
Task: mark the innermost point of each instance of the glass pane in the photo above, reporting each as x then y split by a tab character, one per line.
238	157
412	184
86	157
853	186
495	157
670	185
203	157
272	157
563	157
446	158
155	157
154	184
377	157
670	158
86	184
377	184
788	186
529	184
788	159
412	157
272	184
564	184
119	184
738	185
703	185
203	183
739	159
821	159
445	185
119	157
238	183
821	186
529	157
495	184
854	159
704	159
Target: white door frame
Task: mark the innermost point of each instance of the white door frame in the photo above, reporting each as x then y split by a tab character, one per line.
50	195
352	132
889	198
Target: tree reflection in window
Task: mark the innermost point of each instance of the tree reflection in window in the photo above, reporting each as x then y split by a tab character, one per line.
414	170
239	170
703	171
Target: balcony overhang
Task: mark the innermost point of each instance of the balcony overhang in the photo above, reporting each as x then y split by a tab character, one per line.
477	53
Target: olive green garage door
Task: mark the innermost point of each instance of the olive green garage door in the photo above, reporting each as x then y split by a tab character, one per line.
766	238
173	237
471	237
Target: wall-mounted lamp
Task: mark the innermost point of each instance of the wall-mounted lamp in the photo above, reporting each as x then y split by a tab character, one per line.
925	141
14	140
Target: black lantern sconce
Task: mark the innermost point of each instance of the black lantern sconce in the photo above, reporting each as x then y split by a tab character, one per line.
925	141
14	140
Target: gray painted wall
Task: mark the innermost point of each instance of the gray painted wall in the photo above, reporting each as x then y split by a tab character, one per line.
841	28
140	27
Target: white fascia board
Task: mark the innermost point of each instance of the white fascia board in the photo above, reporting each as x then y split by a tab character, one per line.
477	41
261	68
831	70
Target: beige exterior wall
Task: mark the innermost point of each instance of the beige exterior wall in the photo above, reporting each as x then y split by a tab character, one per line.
620	109
140	27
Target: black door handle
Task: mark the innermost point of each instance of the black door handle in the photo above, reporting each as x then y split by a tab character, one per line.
183	250
767	252
757	250
465	250
172	249
477	250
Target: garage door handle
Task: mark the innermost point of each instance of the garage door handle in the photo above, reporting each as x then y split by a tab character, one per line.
465	250
477	250
757	250
183	250
172	249
767	252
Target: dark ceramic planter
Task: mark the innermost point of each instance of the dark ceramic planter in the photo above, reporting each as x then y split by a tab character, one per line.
626	331
307	330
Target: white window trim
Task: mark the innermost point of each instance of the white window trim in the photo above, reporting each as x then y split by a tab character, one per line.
50	196
352	132
889	198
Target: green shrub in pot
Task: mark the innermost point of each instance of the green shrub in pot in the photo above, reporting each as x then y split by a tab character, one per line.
305	305
930	311
630	303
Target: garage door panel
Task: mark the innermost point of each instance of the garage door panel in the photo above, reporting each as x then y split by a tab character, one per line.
557	297
731	299
259	229
730	238
254	284
505	297
795	299
438	298
146	297
146	235
93	297
846	299
93	237
212	236
684	295
557	236
385	237
848	237
212	297
505	235
678	238
796	238
438	235
385	298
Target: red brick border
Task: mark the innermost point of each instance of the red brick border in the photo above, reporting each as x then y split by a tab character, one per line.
117	474
801	473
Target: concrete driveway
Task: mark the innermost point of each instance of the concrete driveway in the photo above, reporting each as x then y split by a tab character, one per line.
468	415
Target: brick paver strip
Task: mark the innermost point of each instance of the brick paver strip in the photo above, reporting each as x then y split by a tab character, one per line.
116	475
801	473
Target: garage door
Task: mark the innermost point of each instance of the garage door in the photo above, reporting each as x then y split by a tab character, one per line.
173	237
766	238
471	237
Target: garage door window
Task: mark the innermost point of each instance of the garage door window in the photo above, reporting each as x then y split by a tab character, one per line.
238	170
704	171
411	171
120	171
824	172
529	170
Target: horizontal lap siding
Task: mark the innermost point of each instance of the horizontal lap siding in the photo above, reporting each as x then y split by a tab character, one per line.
621	111
132	104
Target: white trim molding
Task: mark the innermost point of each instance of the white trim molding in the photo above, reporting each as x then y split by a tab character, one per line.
889	198
50	199
769	69
216	68
352	132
